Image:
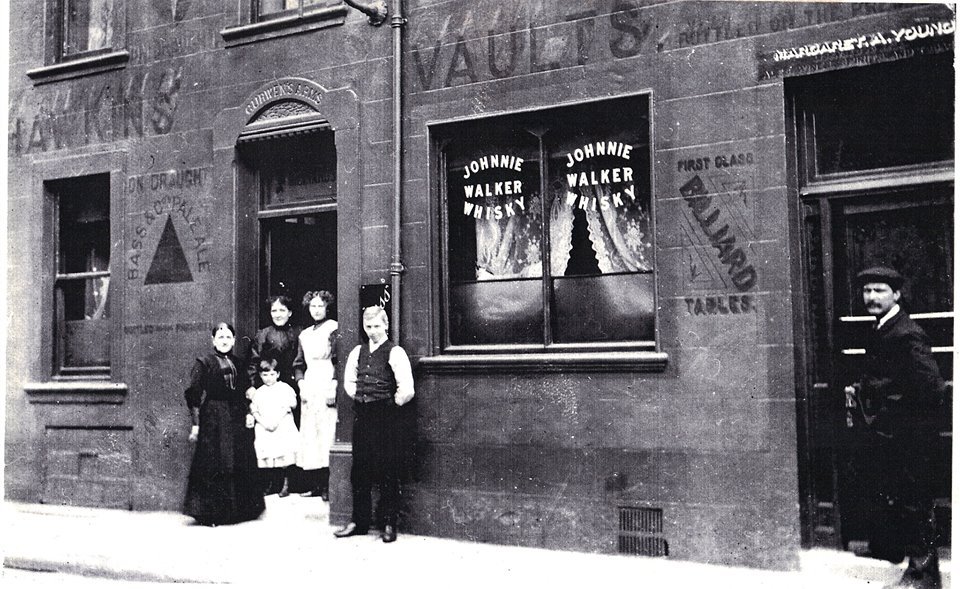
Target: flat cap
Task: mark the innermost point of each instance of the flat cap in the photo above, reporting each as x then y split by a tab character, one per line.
881	274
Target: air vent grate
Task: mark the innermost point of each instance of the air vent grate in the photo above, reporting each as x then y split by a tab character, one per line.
640	532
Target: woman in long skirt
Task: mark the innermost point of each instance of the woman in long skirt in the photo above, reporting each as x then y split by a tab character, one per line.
223	486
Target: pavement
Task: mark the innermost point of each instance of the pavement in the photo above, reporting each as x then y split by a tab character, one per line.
293	542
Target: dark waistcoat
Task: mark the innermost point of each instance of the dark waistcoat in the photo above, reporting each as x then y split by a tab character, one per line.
375	379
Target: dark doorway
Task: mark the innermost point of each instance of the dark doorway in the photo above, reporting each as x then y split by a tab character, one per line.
911	230
875	182
298	254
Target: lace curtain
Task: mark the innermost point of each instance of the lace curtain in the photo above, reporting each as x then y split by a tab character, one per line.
95	299
510	247
620	237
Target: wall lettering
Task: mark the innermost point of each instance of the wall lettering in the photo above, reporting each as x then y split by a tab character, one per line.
719	161
289	88
720	305
705	213
193	327
92	113
913	33
521	39
166	202
582	37
865	48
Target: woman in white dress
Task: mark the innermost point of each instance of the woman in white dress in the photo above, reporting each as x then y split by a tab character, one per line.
315	372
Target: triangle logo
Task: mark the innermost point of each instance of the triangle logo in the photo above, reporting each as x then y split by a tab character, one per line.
169	264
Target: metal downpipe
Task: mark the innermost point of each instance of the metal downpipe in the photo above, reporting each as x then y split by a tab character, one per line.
397	21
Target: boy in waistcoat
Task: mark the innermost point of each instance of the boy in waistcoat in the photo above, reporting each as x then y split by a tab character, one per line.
379	379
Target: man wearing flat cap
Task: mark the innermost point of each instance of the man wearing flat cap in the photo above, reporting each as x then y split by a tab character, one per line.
900	392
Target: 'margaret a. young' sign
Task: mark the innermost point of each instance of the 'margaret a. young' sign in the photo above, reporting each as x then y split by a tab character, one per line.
858	49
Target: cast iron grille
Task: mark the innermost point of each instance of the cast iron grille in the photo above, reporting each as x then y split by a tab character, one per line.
640	532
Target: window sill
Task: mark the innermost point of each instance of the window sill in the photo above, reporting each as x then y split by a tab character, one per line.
75	68
280	27
76	392
633	361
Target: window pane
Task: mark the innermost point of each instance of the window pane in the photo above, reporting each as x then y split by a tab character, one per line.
85	225
608	308
914	237
495	234
86	326
89	25
600	193
83	302
496	312
597	227
85	298
858	127
493	199
275	8
297	170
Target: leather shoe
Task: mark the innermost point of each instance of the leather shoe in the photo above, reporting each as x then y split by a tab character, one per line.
389	534
351	529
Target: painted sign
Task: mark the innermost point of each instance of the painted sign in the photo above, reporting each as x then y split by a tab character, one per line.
716	222
285	88
720	305
374	295
471	44
860	49
498	197
89	113
169	201
605	175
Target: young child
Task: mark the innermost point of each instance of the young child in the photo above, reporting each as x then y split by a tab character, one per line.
275	434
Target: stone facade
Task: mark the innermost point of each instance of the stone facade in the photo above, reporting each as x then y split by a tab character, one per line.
505	454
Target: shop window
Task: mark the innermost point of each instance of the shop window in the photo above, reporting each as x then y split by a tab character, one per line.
82	278
861	120
547	227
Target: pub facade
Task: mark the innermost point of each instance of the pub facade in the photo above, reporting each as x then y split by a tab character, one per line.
618	241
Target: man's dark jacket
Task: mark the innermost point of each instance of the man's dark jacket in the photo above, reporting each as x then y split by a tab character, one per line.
901	380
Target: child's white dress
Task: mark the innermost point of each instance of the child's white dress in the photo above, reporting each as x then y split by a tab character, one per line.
275	434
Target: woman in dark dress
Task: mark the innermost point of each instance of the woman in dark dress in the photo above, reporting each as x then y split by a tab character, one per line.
223	486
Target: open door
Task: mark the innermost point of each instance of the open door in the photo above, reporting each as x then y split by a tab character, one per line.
298	255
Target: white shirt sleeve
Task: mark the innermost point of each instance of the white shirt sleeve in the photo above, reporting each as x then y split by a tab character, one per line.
350	373
402	371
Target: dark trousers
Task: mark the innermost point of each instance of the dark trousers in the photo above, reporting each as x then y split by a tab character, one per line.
377	456
904	526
